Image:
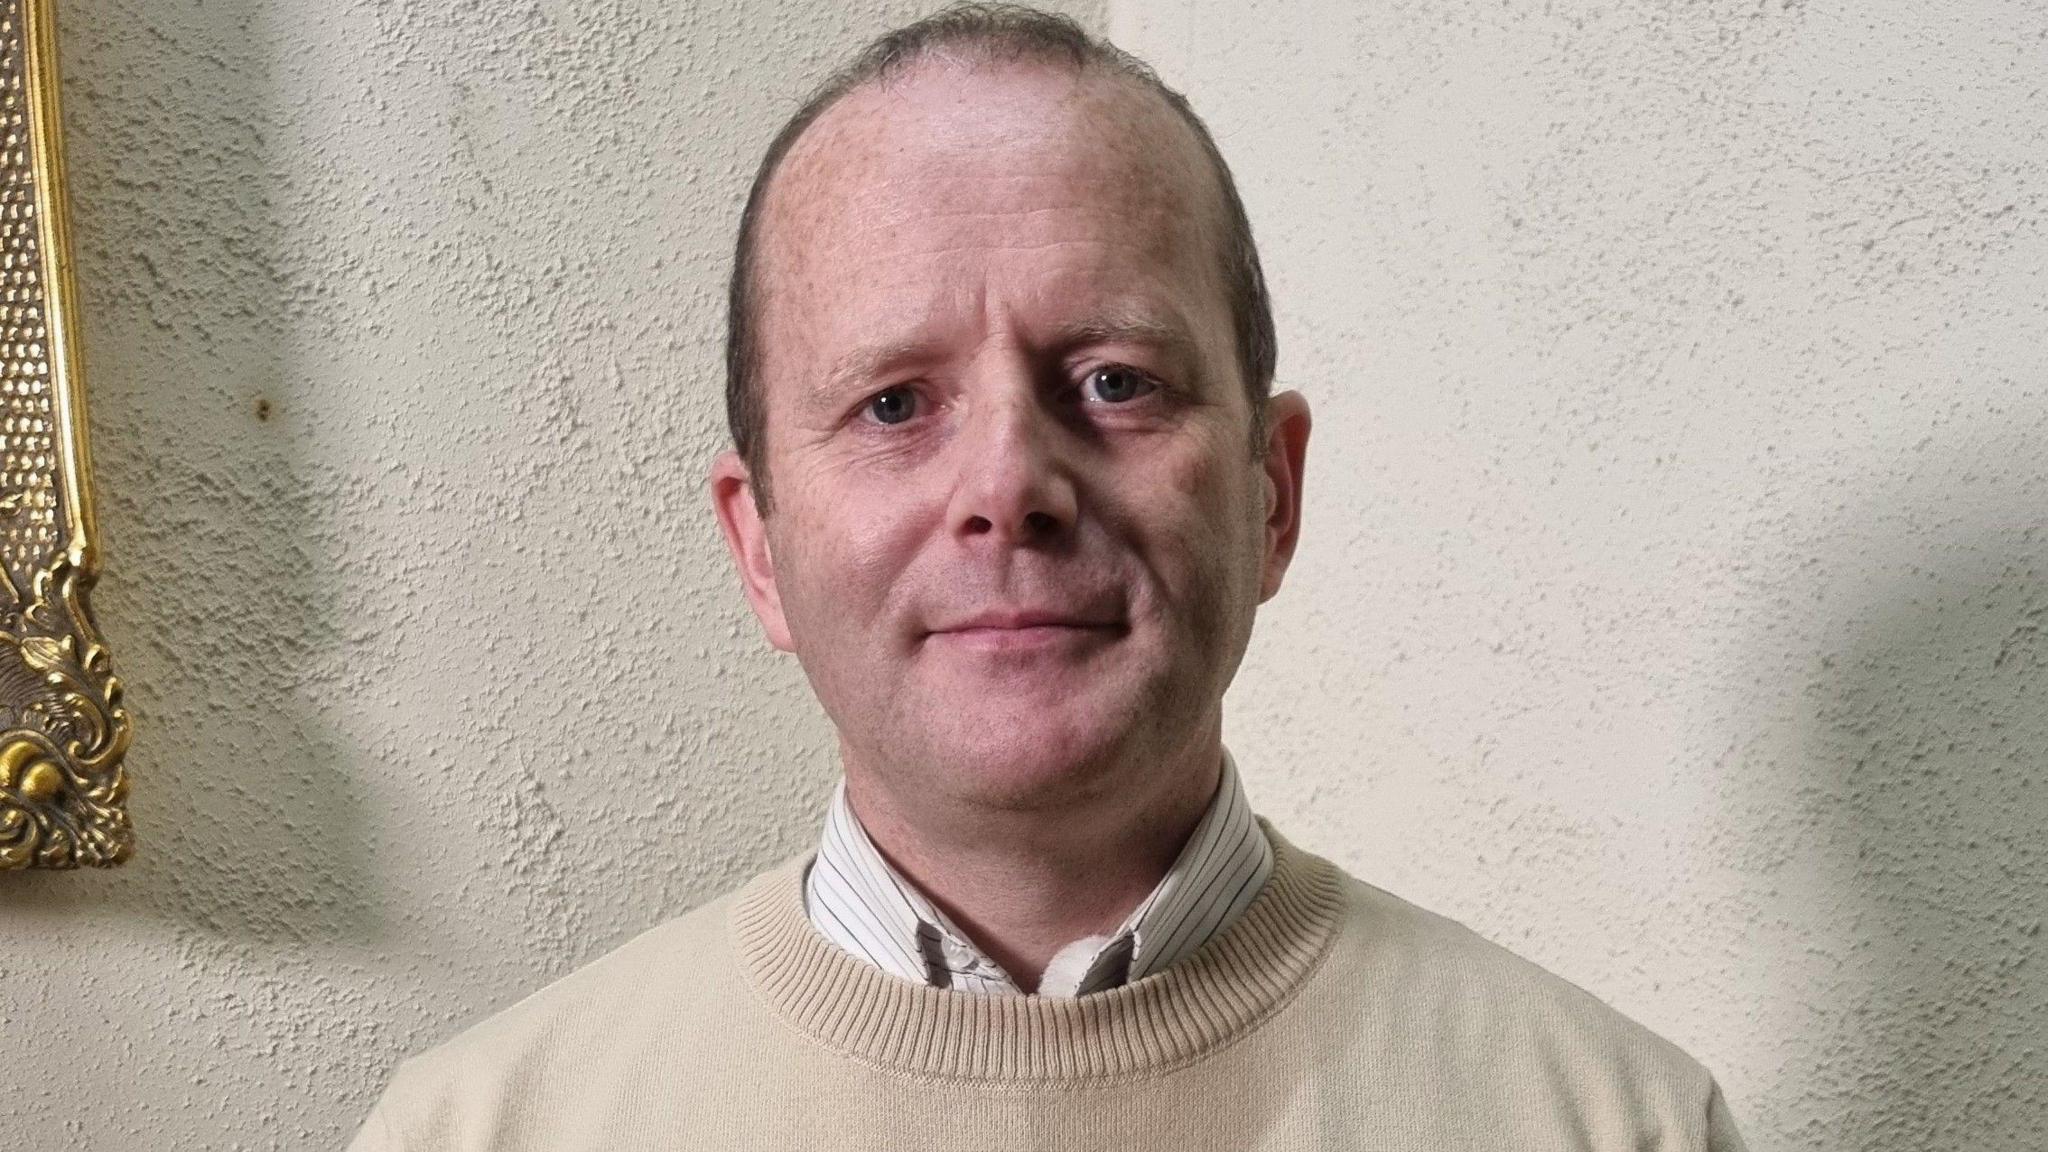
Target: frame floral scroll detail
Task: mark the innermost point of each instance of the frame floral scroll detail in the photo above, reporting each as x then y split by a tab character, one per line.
62	728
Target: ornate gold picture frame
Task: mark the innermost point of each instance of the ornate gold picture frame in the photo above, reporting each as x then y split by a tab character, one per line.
62	728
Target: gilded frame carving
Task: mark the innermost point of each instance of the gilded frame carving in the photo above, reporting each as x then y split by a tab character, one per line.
63	730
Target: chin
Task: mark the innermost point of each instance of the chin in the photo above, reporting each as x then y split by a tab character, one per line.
1030	758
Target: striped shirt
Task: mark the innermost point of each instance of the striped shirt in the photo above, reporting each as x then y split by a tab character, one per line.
862	904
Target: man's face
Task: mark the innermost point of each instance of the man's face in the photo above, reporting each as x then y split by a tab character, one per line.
1018	532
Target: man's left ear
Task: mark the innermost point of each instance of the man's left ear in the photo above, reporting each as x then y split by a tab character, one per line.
1287	426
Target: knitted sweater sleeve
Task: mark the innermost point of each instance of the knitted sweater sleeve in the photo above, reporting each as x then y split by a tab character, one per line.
376	1134
1721	1133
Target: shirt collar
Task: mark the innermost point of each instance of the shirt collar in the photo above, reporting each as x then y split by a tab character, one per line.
857	900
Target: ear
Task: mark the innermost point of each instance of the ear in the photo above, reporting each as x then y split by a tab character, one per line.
746	535
1287	426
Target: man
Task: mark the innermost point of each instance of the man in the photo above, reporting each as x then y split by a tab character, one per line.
1009	482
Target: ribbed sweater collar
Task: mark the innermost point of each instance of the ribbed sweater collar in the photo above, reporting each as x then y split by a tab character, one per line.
1171	1018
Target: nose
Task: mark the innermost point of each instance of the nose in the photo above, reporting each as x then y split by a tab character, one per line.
1014	486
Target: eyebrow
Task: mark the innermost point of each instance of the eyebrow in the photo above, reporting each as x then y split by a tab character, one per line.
864	363
1130	329
869	361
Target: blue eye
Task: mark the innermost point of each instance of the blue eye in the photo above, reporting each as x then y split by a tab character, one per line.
1116	384
892	405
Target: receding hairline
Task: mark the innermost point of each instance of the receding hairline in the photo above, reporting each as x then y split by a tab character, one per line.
804	160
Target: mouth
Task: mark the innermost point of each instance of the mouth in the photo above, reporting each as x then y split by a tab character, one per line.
1025	630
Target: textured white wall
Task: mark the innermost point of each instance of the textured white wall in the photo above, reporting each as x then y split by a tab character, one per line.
403	322
1671	607
1673	604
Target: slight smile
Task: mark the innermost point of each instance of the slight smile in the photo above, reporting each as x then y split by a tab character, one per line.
1024	631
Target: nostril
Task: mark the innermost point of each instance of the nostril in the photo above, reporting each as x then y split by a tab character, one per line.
1033	526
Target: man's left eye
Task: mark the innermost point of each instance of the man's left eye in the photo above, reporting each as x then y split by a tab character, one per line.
1115	384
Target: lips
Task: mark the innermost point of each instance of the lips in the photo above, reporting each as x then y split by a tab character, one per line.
1021	631
1012	620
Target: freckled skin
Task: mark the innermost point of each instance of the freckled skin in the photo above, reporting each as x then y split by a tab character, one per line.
985	224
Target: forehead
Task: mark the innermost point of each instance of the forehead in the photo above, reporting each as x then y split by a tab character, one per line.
1001	184
1081	123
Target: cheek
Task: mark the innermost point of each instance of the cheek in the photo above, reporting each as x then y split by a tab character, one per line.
840	554
1205	548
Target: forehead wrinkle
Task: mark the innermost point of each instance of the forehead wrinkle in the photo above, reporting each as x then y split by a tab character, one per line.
840	234
837	219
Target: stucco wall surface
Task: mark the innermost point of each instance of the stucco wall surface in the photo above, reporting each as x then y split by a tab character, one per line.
403	322
1671	605
1673	600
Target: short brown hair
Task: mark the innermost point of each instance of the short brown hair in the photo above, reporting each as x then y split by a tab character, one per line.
991	33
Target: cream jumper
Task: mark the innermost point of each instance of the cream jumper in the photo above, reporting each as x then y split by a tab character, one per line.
1331	1015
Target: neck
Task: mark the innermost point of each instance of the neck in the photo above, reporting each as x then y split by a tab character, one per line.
1025	883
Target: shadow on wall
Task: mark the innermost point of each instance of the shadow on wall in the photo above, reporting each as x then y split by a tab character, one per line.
218	595
1931	734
